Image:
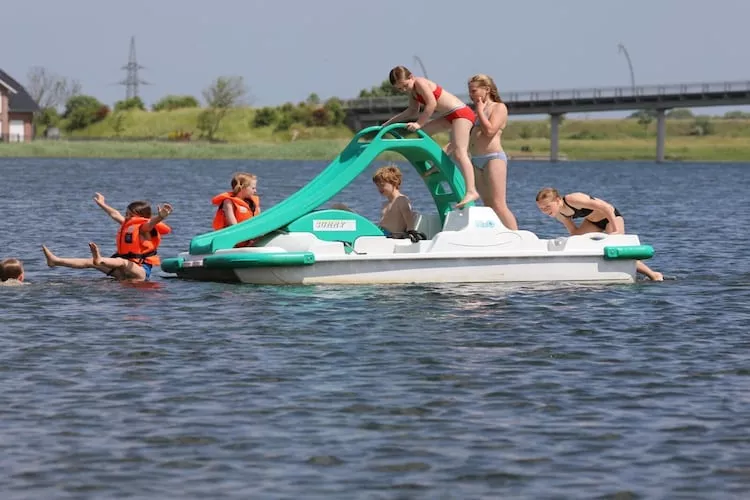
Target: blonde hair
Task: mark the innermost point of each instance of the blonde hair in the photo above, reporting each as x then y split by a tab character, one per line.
11	269
398	74
548	193
390	174
485	81
241	180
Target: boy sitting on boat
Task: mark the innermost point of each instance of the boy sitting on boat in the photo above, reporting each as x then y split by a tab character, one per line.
396	215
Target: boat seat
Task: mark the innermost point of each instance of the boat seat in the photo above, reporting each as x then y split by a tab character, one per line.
428	224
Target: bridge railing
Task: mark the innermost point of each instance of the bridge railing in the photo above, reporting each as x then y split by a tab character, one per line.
691	89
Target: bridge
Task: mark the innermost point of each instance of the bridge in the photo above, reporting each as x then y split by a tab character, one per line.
375	110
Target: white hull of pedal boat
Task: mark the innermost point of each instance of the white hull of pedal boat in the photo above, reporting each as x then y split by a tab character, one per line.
298	242
472	247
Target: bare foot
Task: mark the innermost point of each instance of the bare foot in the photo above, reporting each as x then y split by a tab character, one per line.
96	256
51	258
657	276
468	198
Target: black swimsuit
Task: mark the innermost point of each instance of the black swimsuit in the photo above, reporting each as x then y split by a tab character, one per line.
584	212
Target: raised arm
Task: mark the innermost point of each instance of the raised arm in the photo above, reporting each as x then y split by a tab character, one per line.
117	216
162	213
496	121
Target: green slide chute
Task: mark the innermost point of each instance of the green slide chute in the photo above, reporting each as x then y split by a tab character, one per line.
446	186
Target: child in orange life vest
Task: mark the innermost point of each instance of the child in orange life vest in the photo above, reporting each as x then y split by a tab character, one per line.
239	204
138	238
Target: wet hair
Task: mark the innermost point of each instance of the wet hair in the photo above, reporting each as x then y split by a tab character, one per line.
546	194
486	81
140	208
398	74
390	174
11	269
240	181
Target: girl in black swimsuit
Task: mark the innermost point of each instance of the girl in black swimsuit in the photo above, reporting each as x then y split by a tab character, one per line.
586	212
598	216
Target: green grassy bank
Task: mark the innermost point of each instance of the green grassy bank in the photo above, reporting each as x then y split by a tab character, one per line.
679	149
610	139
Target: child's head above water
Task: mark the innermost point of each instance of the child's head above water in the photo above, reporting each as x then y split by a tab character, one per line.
11	269
244	185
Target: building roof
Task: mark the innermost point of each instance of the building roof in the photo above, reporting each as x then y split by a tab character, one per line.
8	87
19	100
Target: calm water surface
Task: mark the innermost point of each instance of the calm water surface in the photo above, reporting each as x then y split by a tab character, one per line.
175	389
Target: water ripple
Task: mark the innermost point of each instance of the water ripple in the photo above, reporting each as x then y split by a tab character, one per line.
187	390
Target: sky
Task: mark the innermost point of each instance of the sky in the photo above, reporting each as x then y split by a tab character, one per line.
286	50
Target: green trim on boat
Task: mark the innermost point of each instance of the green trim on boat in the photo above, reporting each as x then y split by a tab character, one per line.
172	264
259	259
632	252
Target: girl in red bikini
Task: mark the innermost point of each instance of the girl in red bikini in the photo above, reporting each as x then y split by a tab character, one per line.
453	115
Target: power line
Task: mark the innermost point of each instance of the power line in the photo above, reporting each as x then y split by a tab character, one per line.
132	81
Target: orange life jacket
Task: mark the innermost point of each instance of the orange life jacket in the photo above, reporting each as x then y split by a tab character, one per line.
136	246
242	209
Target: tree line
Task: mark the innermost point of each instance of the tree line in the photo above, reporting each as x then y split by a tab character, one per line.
64	105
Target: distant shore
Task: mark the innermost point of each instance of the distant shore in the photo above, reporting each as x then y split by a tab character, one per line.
709	149
145	134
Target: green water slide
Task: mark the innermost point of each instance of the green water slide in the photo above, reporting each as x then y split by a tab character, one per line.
446	186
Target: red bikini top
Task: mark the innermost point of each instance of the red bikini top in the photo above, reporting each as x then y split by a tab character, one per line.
437	93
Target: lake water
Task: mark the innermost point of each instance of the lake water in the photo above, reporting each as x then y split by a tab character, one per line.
174	389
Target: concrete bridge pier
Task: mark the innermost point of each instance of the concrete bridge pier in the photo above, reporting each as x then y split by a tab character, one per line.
661	134
554	137
353	121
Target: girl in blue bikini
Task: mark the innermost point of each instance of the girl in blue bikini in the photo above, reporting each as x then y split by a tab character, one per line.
487	155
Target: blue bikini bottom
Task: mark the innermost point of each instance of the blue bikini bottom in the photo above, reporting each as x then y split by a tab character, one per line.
481	161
